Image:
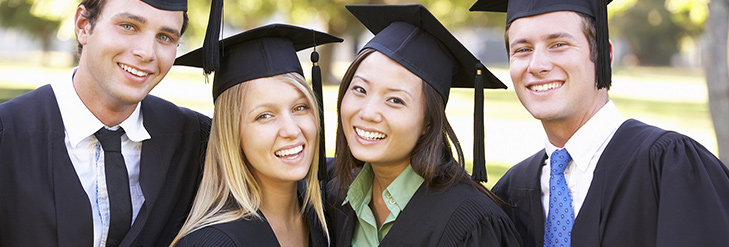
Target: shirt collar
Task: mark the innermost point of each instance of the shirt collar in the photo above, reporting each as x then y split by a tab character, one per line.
583	145
80	123
402	189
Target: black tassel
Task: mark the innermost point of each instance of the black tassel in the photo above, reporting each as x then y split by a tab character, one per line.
318	92
479	173
602	65
211	45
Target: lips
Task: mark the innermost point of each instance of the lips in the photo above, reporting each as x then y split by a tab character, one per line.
545	87
133	71
289	152
370	135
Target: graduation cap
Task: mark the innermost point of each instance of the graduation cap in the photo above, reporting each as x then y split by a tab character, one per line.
597	9
263	52
172	5
414	38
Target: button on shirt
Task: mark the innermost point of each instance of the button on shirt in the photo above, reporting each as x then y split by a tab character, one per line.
585	147
87	155
396	197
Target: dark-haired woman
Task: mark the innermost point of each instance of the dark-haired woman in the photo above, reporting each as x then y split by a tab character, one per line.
396	180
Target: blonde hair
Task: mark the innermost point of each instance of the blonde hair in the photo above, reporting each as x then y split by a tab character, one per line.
228	191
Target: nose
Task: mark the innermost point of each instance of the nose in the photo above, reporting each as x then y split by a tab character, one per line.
370	111
289	127
539	63
144	48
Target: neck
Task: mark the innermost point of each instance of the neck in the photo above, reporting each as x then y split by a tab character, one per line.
110	113
559	131
385	174
280	201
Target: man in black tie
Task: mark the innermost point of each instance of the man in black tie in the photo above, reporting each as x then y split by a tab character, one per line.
92	159
627	183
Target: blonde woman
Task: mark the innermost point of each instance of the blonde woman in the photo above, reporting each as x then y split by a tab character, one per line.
260	184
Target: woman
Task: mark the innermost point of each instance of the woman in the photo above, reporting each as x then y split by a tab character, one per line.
264	140
397	180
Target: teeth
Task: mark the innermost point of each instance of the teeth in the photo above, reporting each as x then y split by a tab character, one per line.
133	70
545	87
371	136
289	151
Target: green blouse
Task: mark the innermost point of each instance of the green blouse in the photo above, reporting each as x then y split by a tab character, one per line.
396	197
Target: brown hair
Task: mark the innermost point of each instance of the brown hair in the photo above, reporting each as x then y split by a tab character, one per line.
94	9
431	158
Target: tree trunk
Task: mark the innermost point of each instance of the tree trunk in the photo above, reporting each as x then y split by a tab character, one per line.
717	72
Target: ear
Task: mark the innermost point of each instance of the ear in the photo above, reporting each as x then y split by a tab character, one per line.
82	26
611	53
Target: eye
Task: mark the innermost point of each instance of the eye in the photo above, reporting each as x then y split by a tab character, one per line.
301	108
521	50
129	27
263	116
164	37
559	44
396	100
358	90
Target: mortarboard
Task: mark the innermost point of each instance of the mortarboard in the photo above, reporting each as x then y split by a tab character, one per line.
413	37
596	8
263	52
172	5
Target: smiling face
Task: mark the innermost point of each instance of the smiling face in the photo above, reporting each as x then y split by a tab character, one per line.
382	111
130	48
550	66
278	130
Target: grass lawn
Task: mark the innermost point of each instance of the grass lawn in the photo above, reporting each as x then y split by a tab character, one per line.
670	98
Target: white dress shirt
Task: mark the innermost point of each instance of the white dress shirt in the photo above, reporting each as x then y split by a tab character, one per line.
585	147
87	155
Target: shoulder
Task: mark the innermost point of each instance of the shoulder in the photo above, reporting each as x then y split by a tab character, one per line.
35	110
166	114
477	218
207	236
235	233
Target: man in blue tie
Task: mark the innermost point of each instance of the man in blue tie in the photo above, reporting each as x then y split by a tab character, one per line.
600	180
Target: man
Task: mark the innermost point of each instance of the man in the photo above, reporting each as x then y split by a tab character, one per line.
609	182
91	159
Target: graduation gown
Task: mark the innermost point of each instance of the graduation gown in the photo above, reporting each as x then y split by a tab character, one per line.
651	187
459	215
248	232
44	203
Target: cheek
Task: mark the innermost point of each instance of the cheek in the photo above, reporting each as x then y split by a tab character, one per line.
347	109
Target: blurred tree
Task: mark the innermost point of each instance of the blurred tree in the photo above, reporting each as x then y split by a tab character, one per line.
717	72
654	29
32	19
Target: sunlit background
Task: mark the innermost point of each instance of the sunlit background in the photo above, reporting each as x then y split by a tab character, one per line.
658	76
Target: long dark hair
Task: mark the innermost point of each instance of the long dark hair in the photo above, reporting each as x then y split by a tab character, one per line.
431	158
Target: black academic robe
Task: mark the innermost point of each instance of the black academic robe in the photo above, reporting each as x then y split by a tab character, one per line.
459	215
651	187
248	232
44	203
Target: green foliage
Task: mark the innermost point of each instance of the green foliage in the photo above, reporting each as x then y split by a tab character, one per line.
654	29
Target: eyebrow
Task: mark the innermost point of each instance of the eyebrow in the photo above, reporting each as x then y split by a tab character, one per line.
272	105
548	37
389	89
143	20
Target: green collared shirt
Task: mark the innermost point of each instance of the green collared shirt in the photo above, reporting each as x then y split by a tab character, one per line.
396	197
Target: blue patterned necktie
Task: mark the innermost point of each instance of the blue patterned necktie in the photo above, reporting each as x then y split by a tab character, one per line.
558	227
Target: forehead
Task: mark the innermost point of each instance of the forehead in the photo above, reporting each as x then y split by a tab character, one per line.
380	70
269	90
545	24
141	9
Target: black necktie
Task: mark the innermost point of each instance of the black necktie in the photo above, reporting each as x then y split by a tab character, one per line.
117	184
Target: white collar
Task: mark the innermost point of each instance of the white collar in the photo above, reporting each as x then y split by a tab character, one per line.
80	123
585	143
